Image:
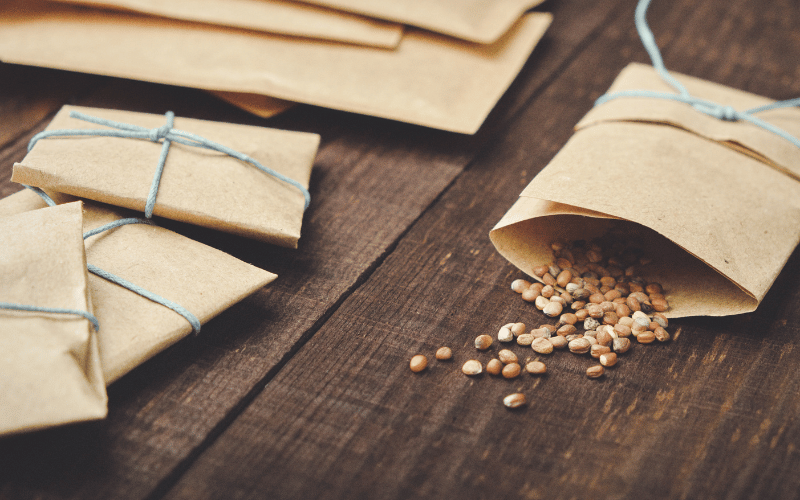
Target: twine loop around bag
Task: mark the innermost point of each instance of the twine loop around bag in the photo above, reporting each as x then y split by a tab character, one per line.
710	108
168	135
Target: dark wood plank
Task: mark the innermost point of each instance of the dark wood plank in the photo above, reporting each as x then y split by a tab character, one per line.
372	180
711	415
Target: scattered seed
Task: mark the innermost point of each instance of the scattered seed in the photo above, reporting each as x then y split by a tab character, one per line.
646	337
595	371
608	359
525	339
558	342
511	370
661	334
494	367
622	330
483	342
507	356
514	400
472	367
590	324
552	309
542	346
520	285
580	346
418	363
518	328
444	353
541	302
505	335
621	345
567	330
660	319
530	294
536	368
597	350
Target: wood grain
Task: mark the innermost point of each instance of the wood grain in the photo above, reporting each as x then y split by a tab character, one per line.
710	415
303	390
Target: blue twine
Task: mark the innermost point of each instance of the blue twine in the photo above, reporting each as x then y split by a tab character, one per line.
53	310
168	135
191	318
707	107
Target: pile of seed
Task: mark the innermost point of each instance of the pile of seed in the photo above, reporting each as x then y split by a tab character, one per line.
600	301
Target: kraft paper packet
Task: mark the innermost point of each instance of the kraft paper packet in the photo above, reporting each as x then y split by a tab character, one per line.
49	363
198	186
133	329
716	204
273	16
481	21
431	80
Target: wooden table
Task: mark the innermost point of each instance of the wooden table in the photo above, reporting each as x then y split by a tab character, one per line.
303	390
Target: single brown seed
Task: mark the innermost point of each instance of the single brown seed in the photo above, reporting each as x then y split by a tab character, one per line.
552	309
525	339
548	291
554	270
581	314
505	335
540	271
595	371
537	286
659	305
483	342
548	279
444	353
580	346
591	282
622	330
418	363
472	367
568	319
550	328
540	333
596	298
558	342
514	400
511	370
607	306
567	298
563	262
626	320
662	320
542	346
608	359
633	304
536	368
506	356
608	281
592	340
653	326
518	328
646	337
621	345
581	294
596	350
654	288
635	287
622	310
563	278
494	367
570	338
567	330
595	310
640	296
654	296
530	294
559	299
541	302
661	334
612	295
610	318
520	285
604	338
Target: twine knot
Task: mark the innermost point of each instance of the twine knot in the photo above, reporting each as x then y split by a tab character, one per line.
726	113
156	134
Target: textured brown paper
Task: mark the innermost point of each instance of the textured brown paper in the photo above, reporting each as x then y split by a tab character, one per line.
259	105
719	223
202	279
49	364
482	21
273	16
429	80
198	186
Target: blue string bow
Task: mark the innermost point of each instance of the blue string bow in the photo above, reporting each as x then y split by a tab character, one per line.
168	135
707	107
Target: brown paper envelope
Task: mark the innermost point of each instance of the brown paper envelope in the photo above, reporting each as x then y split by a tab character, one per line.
429	79
752	139
720	224
273	16
198	186
202	279
482	21
49	364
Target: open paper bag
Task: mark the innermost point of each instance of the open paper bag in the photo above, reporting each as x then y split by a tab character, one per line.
273	16
203	280
49	363
429	79
716	204
198	186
